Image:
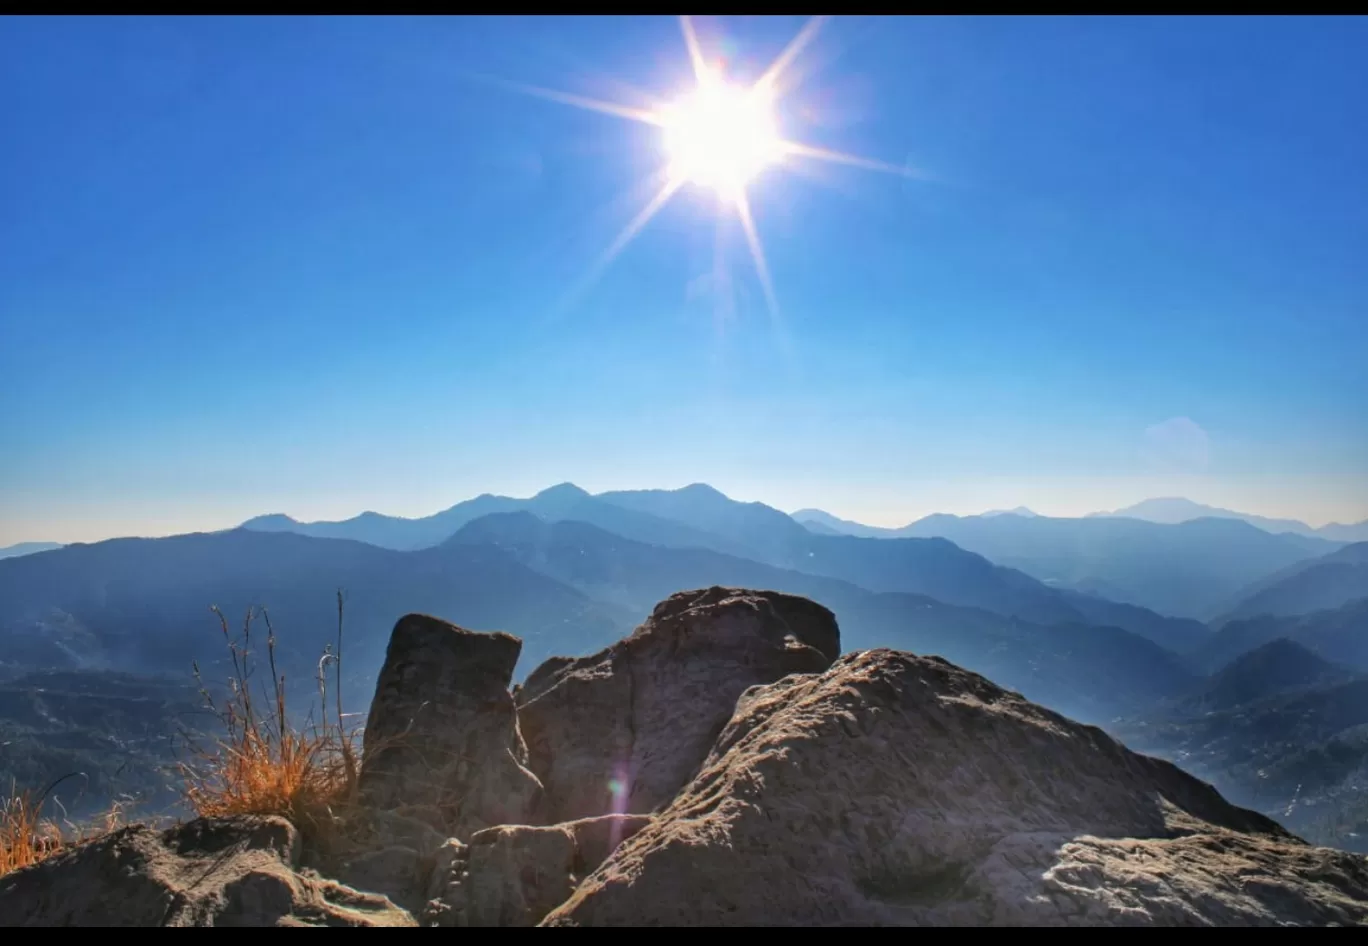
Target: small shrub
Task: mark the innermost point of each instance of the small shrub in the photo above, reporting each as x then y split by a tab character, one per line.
262	764
27	838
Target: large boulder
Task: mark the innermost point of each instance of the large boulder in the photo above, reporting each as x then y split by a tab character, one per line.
442	732
232	872
623	730
901	790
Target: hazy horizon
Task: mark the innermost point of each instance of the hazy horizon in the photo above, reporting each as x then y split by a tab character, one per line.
1067	505
324	265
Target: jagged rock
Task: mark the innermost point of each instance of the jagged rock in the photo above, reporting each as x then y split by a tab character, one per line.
406	826
515	874
902	790
393	854
230	872
397	872
448	870
623	730
442	730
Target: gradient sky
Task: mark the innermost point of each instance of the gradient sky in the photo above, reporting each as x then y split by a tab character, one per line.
317	266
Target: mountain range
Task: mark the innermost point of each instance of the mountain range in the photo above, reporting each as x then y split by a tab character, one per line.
1197	568
1163	511
1167	631
1174	510
699	516
1327	581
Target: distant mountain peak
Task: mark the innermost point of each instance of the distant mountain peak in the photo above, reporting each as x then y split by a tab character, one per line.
27	548
1278	666
272	520
563	491
703	489
1173	510
1018	511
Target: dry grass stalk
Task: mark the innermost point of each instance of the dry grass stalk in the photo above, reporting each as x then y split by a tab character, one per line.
27	838
263	764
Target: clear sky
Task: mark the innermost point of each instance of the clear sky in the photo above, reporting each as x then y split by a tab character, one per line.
317	266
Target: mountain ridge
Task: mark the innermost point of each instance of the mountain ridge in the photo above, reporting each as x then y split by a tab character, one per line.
1191	569
1315	584
699	516
1176	509
28	548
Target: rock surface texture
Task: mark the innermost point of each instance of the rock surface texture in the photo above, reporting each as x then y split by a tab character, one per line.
443	732
902	790
235	872
516	874
623	730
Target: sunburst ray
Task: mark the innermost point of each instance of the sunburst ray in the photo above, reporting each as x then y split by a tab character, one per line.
647	116
757	251
800	150
771	76
700	67
729	136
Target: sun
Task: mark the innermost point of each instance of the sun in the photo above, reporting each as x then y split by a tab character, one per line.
721	136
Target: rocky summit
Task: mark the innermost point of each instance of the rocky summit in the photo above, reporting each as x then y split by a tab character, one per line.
724	764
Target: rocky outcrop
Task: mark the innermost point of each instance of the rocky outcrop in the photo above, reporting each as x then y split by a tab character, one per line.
235	872
902	790
623	730
721	766
443	731
514	875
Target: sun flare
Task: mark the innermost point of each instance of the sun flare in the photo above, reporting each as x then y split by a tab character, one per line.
721	136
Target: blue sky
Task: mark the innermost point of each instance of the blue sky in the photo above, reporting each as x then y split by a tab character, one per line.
323	265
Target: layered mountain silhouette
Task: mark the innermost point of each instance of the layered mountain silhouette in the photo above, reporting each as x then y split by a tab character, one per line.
567	586
1174	510
1077	614
699	516
565	501
142	605
1281	666
1316	584
824	523
1194	568
1336	634
1095	671
1190	569
1017	511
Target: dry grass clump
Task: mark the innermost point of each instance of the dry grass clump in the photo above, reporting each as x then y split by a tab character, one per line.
27	838
263	764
